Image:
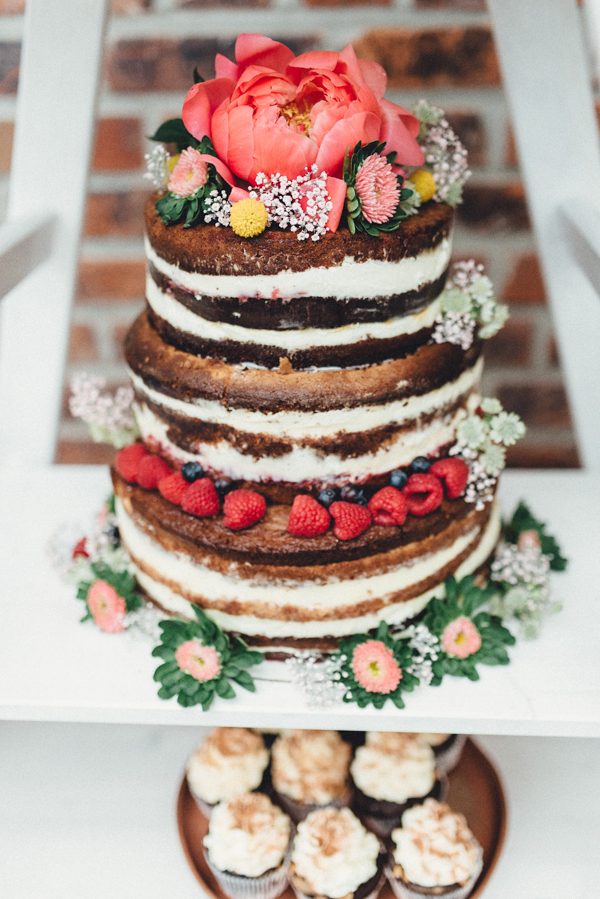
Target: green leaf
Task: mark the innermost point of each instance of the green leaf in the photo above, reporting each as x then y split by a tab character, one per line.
224	689
166	669
245	680
174	131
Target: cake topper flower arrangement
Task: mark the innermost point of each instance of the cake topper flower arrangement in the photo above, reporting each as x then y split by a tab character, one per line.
301	143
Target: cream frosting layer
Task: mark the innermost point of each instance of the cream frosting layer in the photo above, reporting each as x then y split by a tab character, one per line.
324	423
230	761
305	463
435	847
394	767
333	853
248	835
370	279
316	596
311	766
183	319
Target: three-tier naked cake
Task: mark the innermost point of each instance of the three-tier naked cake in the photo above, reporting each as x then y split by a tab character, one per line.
313	466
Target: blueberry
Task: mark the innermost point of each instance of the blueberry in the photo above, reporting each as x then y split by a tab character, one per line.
353	494
420	465
191	471
327	496
398	478
223	486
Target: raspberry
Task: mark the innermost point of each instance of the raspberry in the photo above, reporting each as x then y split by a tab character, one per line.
308	518
243	508
80	550
388	506
350	519
201	499
173	487
151	470
423	494
454	473
128	459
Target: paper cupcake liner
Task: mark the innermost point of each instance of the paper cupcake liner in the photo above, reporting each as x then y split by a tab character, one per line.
266	886
403	890
298	811
448	759
374	892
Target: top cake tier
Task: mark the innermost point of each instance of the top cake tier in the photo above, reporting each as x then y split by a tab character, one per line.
346	300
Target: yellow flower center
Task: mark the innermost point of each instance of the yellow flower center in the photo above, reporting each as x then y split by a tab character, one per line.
375	669
248	218
460	638
297	116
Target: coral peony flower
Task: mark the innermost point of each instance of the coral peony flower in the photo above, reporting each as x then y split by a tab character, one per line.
106	607
189	173
377	189
201	662
275	113
461	638
375	667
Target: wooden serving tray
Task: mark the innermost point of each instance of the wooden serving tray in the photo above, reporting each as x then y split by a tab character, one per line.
475	790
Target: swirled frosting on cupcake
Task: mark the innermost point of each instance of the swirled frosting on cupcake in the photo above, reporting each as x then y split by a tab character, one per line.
248	835
394	767
311	766
434	846
333	854
230	761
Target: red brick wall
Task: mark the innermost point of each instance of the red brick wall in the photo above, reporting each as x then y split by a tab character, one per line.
442	49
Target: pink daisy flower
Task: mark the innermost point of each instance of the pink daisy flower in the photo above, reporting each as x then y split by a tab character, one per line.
461	638
190	173
201	662
377	189
375	667
106	607
529	540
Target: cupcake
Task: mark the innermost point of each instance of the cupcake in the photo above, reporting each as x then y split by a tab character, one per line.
333	856
230	761
433	854
447	749
390	773
247	847
310	769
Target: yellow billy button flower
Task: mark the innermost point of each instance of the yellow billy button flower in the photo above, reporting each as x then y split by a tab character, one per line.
172	162
248	218
424	183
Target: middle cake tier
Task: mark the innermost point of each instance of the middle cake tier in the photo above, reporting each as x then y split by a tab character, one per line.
285	429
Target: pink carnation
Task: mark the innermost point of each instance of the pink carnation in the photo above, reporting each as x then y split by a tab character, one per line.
201	662
377	189
375	667
461	638
106	607
190	173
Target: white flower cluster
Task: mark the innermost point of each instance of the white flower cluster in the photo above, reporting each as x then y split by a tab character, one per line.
444	153
109	417
528	599
319	678
217	208
467	301
425	648
157	170
513	565
481	441
299	204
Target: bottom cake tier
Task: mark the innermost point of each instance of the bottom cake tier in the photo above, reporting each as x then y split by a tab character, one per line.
281	591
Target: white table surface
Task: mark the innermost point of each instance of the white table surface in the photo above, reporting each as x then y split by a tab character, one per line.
88	811
54	668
